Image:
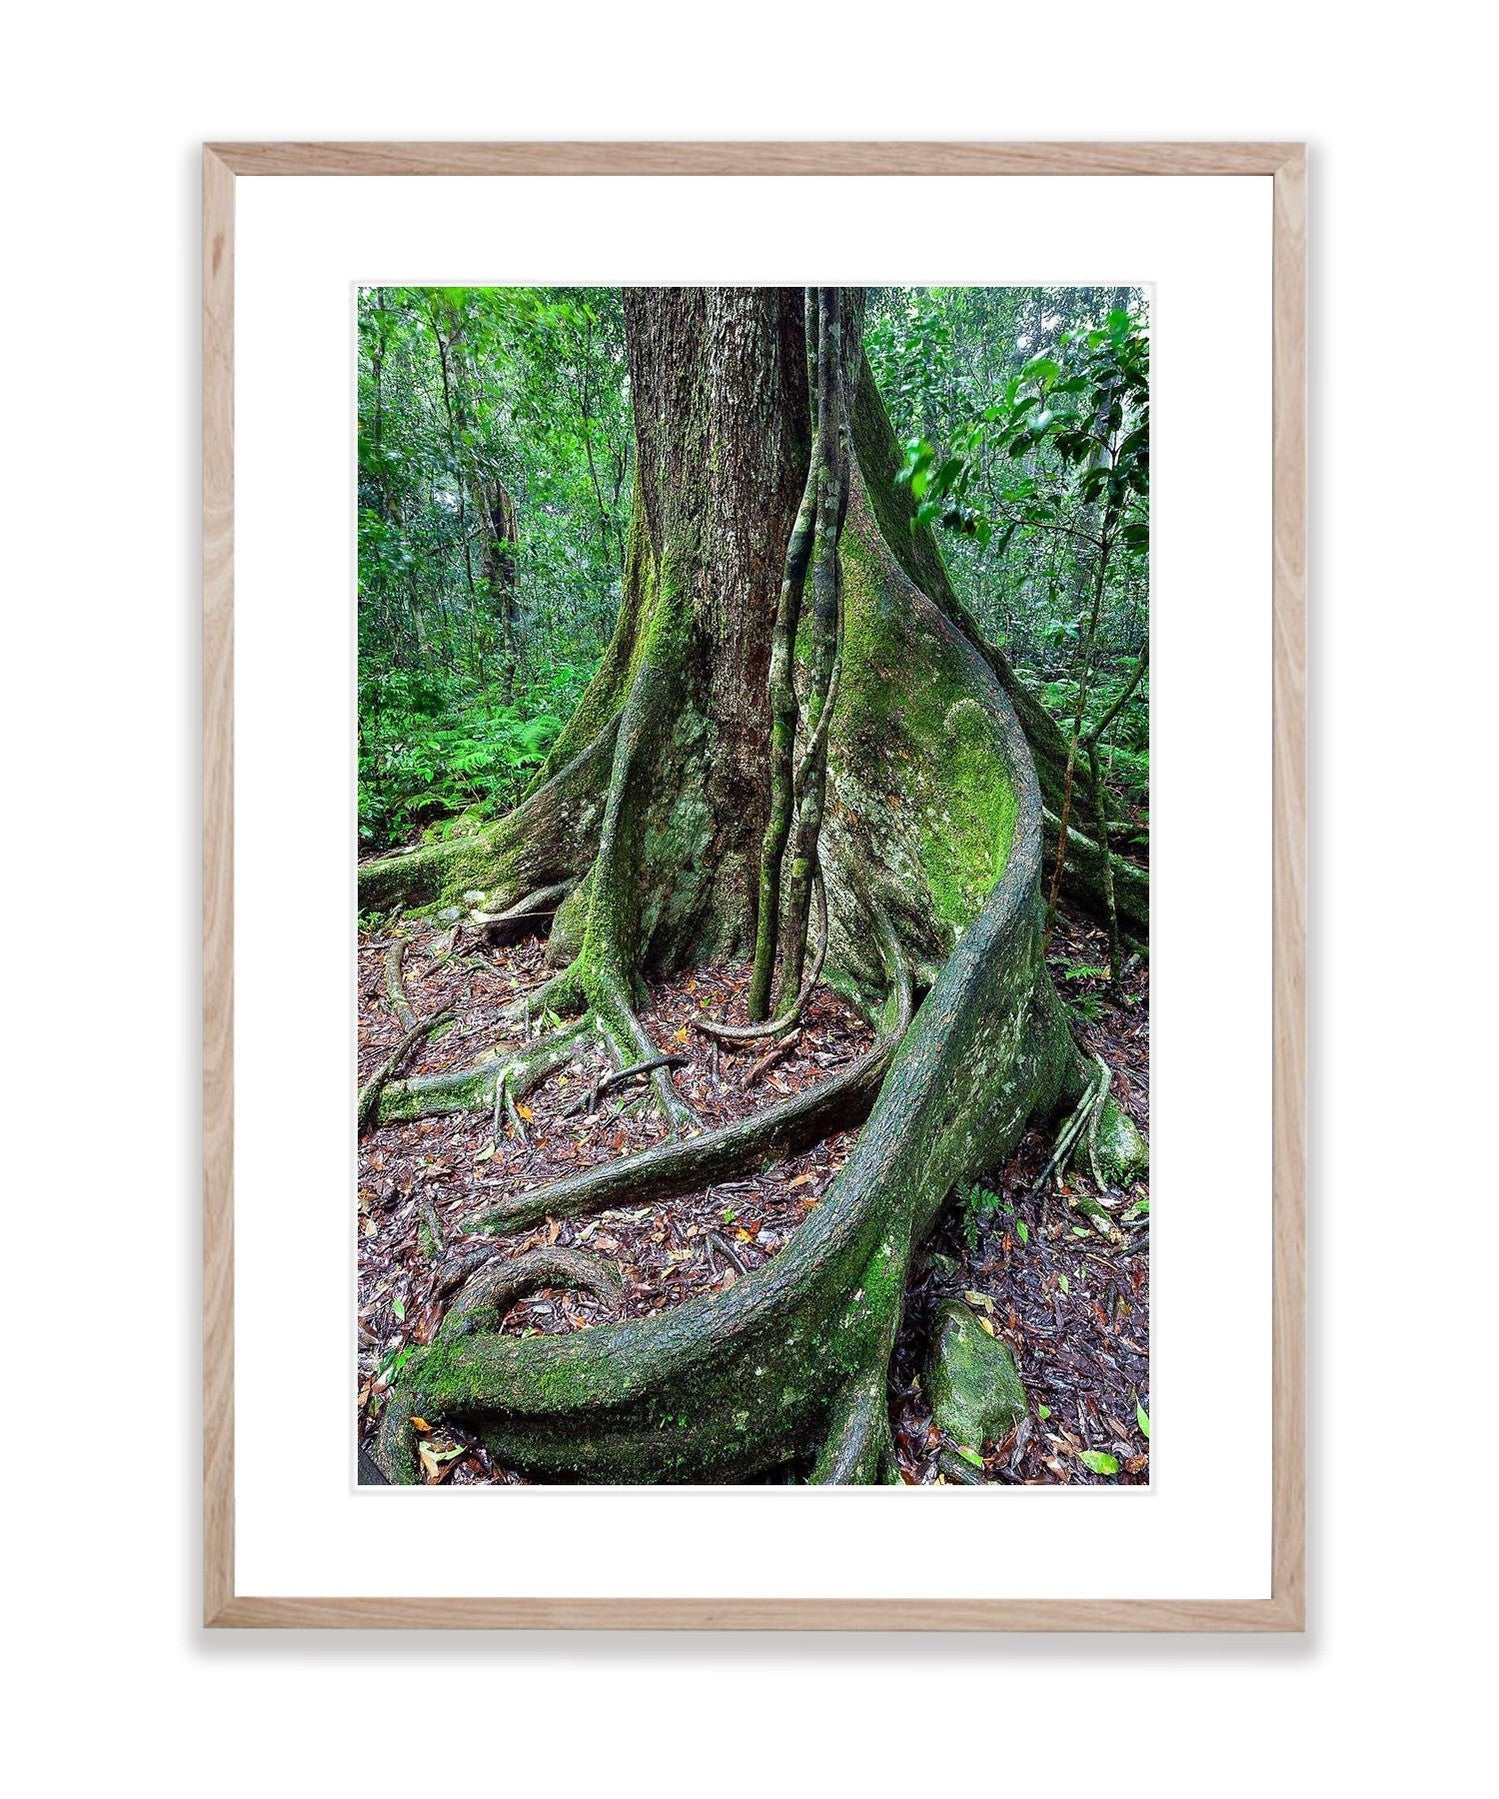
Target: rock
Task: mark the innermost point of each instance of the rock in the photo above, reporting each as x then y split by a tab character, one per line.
449	915
1122	1154
971	1379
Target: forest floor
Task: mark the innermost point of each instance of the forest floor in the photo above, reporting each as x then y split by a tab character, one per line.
1070	1299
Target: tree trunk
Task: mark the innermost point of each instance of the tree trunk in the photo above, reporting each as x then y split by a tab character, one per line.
500	571
653	805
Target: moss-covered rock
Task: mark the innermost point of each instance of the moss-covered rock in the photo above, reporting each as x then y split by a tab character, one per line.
1121	1153
971	1379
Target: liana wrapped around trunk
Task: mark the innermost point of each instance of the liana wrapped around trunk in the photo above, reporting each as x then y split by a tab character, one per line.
656	806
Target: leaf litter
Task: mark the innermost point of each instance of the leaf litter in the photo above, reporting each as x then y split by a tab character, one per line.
1071	1302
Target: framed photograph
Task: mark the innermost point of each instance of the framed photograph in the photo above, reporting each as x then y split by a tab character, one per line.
754	800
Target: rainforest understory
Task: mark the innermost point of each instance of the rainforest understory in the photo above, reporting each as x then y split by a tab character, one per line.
768	941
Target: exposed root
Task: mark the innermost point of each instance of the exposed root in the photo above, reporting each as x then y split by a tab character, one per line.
504	1101
369	1093
431	1239
1086	882
859	1449
747	1145
1076	1123
717	1241
395	987
775	1027
953	1468
632	1045
688	1163
487	1295
783	709
477	1087
559	993
1098	1215
515	921
1105	1086
809	783
769	1059
617	1078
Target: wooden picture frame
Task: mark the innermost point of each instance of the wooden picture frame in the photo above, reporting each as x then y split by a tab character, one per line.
1285	163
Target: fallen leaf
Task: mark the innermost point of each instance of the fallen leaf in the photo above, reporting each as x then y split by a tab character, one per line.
421	1424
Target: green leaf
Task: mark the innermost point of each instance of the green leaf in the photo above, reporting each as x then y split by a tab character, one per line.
398	1306
1064	1283
1022	1230
971	1456
1142	1418
1043	1411
1098	1461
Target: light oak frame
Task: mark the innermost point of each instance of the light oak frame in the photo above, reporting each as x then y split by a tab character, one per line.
1285	164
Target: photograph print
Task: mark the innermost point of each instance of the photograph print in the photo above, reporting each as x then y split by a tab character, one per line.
753	887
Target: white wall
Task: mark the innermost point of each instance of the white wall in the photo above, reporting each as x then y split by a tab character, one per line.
105	108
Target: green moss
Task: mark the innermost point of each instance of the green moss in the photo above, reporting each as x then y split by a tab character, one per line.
913	728
975	1392
1122	1154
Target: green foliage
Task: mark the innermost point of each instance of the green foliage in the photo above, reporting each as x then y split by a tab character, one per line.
438	753
1099	1461
1025	417
1061	437
976	1204
494	487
